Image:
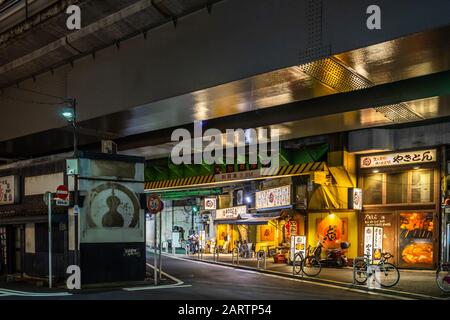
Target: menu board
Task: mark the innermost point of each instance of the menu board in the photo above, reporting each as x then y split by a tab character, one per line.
298	244
8	190
271	198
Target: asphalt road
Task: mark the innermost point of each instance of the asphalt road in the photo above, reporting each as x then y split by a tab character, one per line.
194	280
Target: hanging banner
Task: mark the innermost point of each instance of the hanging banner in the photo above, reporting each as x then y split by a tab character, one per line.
9	190
355	198
368	242
271	198
377	243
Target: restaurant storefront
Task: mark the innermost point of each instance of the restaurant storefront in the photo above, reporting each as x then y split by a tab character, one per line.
227	232
333	212
268	228
262	227
400	207
279	202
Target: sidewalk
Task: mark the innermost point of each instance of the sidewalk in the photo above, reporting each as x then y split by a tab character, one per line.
418	282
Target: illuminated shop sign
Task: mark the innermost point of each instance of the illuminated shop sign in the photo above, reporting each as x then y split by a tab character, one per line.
276	197
9	190
355	198
231	213
249	174
395	159
210	203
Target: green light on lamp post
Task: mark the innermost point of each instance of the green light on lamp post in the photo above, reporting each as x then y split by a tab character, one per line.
68	115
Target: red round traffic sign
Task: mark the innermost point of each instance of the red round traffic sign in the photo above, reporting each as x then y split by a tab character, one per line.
154	204
62	192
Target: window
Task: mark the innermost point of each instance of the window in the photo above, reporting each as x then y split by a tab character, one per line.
413	186
372	190
397	187
422	186
416	239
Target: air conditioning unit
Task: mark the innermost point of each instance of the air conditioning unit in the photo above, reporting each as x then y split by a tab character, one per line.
109	146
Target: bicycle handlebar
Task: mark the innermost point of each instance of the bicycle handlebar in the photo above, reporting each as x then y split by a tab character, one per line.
387	255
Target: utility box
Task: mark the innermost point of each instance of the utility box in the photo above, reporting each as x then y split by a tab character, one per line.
112	222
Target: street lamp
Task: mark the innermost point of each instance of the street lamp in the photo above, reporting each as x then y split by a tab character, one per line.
70	114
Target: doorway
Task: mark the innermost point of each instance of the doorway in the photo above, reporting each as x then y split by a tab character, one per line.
18	249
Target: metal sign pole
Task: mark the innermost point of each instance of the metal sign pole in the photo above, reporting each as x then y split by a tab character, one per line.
160	245
49	240
155	258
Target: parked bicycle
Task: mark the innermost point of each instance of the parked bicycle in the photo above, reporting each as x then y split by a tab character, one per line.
386	274
443	276
308	265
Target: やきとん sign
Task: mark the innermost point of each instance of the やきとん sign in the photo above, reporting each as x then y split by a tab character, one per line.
395	159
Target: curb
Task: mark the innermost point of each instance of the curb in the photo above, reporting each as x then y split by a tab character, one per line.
403	294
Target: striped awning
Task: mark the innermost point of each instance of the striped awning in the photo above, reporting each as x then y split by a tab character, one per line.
298	169
294	169
178	182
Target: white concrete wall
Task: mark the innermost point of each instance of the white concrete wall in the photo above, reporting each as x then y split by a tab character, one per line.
40	184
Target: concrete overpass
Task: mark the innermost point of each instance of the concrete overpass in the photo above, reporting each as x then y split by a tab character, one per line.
138	69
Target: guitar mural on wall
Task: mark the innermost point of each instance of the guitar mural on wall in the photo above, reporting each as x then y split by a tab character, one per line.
113	206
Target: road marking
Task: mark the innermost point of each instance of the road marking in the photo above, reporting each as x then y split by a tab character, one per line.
178	283
296	280
170	286
8	292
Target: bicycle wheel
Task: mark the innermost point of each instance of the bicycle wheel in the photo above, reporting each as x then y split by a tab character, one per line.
443	277
387	275
297	263
360	271
311	266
